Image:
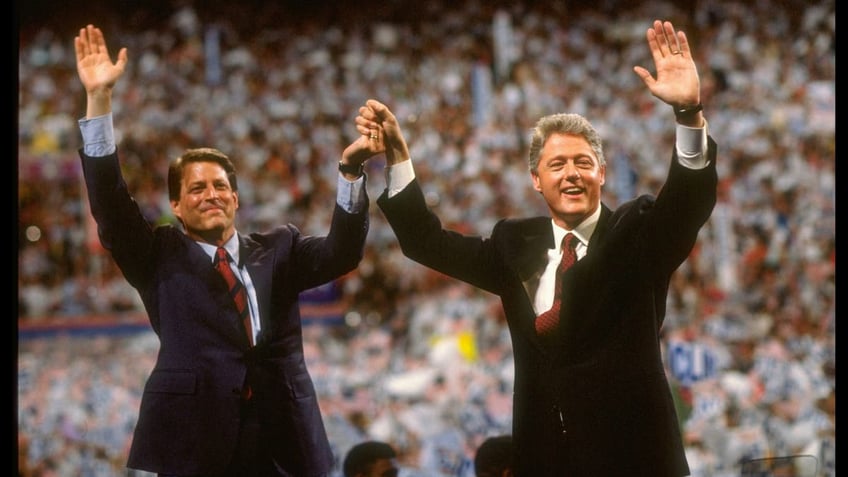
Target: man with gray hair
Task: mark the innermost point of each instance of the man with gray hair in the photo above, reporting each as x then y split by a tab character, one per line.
591	396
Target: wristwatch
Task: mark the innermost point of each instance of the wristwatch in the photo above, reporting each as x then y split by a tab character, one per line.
352	169
687	111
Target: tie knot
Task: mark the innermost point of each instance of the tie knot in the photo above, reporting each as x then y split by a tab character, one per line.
221	255
569	242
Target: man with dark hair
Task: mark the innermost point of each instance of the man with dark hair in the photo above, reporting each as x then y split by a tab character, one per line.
371	459
230	394
494	457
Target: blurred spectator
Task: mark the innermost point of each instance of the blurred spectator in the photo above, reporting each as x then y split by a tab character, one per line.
494	457
765	268
371	459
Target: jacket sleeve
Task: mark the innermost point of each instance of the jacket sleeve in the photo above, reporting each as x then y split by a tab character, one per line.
329	257
121	227
682	207
422	238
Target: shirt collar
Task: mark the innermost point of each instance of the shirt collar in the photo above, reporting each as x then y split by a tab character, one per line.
231	246
582	231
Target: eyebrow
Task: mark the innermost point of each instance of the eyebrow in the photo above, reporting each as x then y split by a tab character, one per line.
214	181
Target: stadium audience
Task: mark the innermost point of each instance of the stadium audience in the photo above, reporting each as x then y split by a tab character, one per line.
750	327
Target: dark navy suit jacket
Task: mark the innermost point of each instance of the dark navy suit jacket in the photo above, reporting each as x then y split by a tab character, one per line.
190	411
597	401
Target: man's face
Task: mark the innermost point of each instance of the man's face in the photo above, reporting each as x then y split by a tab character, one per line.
569	178
207	205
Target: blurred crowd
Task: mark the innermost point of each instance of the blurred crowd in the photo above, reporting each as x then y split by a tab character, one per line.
421	361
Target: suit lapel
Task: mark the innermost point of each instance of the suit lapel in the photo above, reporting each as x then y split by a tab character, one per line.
579	280
526	252
260	267
226	319
532	269
525	244
528	256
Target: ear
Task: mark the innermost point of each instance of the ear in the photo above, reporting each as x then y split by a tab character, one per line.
537	182
175	208
235	200
602	175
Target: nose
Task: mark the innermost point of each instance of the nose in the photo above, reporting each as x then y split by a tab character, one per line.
572	172
210	193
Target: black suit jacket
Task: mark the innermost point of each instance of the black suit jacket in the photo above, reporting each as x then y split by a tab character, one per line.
190	411
597	401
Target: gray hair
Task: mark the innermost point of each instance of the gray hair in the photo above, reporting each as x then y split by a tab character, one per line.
563	123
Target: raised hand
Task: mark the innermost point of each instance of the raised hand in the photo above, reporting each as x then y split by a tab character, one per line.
365	146
677	82
94	66
96	70
376	119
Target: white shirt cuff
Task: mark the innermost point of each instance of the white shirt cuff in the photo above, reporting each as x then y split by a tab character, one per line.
398	177
692	146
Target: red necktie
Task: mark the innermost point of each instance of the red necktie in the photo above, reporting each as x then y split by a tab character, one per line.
237	290
548	321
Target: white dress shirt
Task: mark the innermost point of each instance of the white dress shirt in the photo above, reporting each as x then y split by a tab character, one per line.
98	136
691	144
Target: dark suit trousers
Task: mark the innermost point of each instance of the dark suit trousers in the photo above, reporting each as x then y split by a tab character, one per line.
251	457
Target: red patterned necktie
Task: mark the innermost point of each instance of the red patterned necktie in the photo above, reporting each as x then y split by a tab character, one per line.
548	321
237	290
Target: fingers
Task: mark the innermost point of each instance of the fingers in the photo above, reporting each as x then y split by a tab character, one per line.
376	105
664	41
374	115
90	42
378	124
122	58
371	132
645	75
381	112
670	38
366	115
365	126
94	39
666	37
81	44
78	48
684	43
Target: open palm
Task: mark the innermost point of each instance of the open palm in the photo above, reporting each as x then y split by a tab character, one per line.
94	66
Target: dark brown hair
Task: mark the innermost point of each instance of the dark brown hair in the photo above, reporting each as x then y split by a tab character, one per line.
494	456
201	154
362	456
